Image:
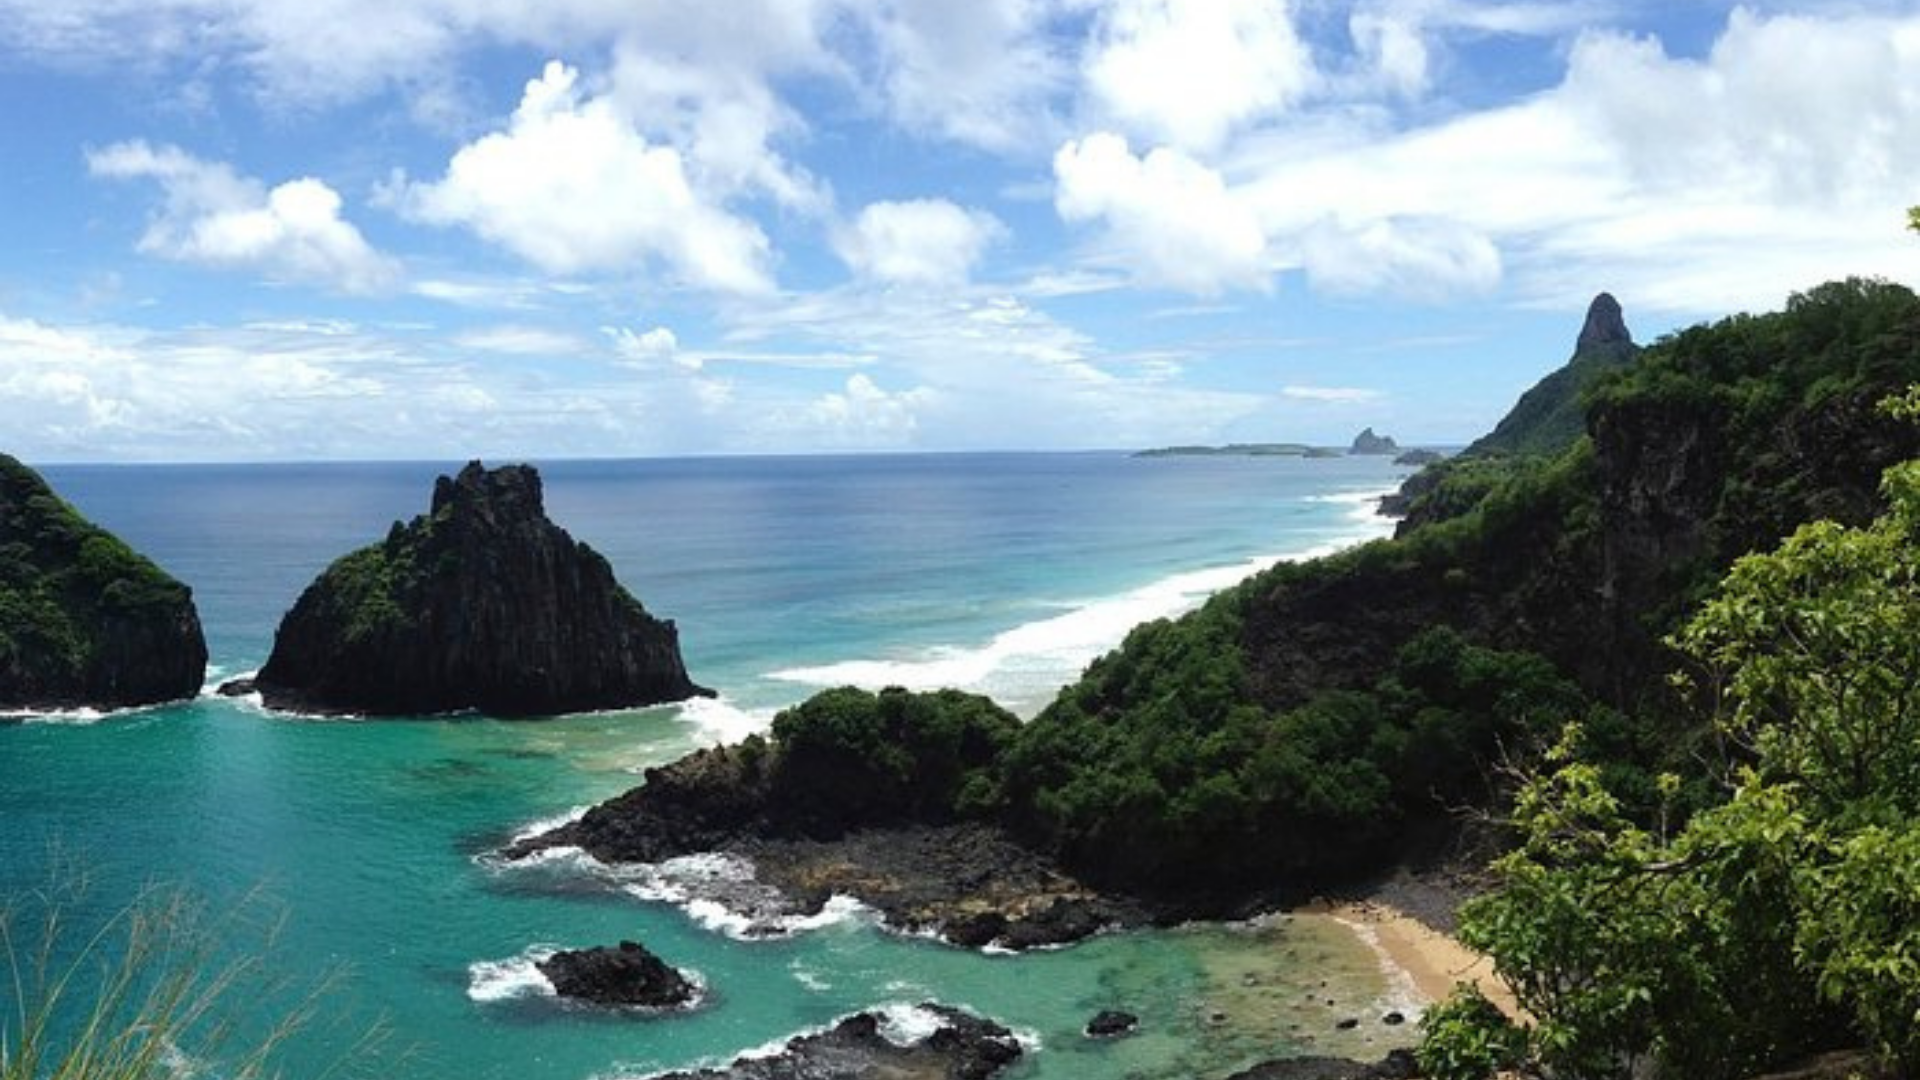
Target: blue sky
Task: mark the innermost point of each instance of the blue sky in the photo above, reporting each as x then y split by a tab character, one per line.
248	230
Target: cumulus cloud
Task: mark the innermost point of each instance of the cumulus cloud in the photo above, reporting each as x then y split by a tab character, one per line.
1185	73
1169	218
572	187
917	242
864	416
1790	162
658	345
982	73
216	217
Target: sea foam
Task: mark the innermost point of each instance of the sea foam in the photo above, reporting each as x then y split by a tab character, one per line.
515	977
1025	666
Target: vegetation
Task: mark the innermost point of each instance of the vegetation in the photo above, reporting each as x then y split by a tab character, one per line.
145	994
1785	920
62	578
927	757
1317	718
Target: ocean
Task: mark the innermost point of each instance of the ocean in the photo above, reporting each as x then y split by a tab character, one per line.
355	854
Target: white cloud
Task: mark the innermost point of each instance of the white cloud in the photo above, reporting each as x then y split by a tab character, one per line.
1788	161
215	217
982	73
572	187
1187	72
863	416
1170	219
516	340
1331	395
917	242
649	347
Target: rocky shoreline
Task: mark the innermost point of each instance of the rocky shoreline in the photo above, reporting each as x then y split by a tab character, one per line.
959	1046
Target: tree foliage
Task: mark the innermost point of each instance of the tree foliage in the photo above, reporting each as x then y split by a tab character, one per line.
1786	919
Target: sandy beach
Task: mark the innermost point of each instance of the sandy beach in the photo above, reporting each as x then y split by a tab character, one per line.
1429	959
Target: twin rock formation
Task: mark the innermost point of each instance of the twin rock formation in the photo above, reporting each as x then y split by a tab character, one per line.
482	603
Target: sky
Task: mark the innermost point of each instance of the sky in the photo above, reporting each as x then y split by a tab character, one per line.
242	230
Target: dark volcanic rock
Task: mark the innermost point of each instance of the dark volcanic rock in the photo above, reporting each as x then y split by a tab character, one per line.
962	1047
482	603
1397	1065
1110	1023
84	620
1368	443
626	975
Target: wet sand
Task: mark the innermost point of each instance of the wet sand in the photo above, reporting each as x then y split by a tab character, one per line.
1432	961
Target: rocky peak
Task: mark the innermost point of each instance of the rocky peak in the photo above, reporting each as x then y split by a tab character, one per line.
483	603
1606	325
510	491
1369	443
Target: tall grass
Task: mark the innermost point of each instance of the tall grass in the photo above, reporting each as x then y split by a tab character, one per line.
152	991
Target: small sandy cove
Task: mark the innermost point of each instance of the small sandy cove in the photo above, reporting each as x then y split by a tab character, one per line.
1432	961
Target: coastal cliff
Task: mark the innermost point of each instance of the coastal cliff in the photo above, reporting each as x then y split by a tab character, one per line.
85	622
481	603
1313	725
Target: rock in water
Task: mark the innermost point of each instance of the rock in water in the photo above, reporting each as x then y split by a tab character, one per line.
1369	443
482	603
85	622
627	975
863	1047
1111	1023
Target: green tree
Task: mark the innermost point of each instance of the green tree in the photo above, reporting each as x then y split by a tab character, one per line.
1788	917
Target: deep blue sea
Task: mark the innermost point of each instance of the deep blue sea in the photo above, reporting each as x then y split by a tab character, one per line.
362	845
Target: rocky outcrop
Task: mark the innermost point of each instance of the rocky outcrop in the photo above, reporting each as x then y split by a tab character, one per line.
960	1047
1549	417
1419	458
85	622
626	975
1398	1065
1368	443
482	603
971	883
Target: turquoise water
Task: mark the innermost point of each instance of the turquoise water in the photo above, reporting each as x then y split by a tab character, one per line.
1004	573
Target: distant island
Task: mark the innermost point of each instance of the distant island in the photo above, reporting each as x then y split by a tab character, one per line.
1364	444
1240	450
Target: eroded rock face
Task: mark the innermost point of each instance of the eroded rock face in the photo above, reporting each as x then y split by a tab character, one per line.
482	603
626	975
960	1047
85	622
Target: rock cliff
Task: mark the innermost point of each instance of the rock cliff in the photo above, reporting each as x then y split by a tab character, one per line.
84	620
482	603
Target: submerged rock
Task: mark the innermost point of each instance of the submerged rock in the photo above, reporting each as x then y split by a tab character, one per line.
482	603
959	1047
625	975
85	621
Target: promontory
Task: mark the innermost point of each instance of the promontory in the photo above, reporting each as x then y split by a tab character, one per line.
482	604
85	621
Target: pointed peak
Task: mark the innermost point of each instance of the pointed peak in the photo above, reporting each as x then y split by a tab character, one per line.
1606	325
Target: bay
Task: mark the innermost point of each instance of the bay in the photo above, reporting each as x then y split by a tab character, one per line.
1003	573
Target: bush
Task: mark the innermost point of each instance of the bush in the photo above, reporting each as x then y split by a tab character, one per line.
1467	1037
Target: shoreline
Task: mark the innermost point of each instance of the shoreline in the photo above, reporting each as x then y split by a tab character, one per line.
1415	953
